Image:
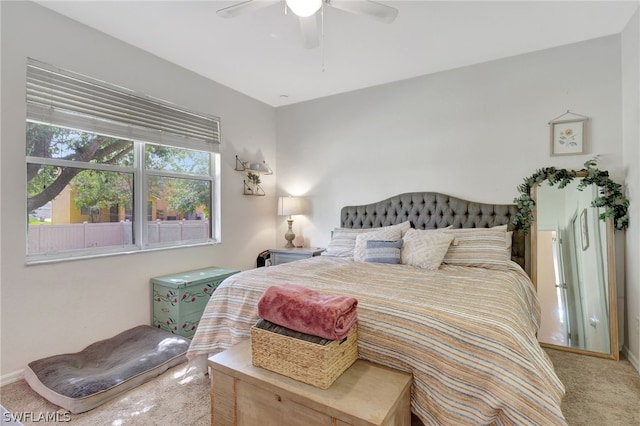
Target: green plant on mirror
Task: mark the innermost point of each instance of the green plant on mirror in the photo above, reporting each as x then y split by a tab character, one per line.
610	196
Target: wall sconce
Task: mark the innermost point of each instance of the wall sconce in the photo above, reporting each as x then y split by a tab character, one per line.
289	206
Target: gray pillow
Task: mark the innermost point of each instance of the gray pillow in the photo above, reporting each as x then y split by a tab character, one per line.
380	251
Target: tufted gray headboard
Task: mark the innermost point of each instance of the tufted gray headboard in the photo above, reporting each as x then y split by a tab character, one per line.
432	210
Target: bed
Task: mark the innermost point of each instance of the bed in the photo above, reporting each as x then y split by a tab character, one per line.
466	328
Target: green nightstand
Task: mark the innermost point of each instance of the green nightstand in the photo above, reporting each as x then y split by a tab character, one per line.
179	299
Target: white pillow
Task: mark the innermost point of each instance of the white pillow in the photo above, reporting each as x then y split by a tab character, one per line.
342	244
403	227
387	233
425	249
343	240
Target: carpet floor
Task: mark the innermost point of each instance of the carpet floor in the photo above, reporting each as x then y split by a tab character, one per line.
173	398
599	392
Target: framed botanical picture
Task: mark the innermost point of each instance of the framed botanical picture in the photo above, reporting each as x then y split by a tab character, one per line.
569	137
584	230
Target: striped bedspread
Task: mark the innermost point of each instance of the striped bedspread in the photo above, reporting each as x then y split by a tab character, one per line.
467	334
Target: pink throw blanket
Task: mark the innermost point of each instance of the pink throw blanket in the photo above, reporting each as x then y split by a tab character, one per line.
304	310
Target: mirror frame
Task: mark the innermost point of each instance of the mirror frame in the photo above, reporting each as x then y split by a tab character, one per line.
611	278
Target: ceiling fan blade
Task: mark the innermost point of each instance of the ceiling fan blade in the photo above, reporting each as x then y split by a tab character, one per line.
371	9
309	30
244	7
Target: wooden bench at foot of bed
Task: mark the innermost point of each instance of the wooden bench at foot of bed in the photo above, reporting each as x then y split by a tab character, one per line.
366	394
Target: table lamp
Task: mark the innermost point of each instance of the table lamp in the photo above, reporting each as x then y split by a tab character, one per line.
288	206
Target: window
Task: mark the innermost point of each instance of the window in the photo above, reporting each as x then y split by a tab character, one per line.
109	171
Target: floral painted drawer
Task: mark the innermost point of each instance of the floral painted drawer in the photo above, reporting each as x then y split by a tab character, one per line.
179	299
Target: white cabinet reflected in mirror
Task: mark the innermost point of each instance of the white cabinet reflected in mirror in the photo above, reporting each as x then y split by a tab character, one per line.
573	268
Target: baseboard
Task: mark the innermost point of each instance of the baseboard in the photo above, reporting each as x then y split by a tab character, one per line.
11	377
632	359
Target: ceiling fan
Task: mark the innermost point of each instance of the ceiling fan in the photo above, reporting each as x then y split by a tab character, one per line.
306	10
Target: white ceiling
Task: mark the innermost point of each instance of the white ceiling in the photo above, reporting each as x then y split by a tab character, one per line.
261	55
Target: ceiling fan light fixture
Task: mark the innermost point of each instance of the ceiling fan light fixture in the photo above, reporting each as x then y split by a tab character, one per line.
304	8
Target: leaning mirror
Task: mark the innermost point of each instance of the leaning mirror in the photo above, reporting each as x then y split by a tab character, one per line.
573	269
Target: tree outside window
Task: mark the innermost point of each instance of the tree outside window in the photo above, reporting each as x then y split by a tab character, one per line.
89	179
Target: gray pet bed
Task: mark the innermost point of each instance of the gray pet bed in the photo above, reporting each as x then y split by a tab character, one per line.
87	379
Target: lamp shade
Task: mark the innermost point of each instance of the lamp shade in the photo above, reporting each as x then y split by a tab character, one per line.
288	206
304	8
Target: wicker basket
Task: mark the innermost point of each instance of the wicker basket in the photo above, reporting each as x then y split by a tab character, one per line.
312	363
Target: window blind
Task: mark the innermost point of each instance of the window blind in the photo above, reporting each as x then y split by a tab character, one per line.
67	99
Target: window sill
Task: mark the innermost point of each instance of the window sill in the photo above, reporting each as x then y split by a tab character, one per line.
57	258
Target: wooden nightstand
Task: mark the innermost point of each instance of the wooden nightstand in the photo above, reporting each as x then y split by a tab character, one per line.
366	394
284	255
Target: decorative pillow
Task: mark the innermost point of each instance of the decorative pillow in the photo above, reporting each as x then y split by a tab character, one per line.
343	240
386	233
342	244
425	249
479	247
403	227
383	251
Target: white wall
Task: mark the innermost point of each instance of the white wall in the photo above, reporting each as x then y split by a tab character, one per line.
631	151
473	132
58	308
